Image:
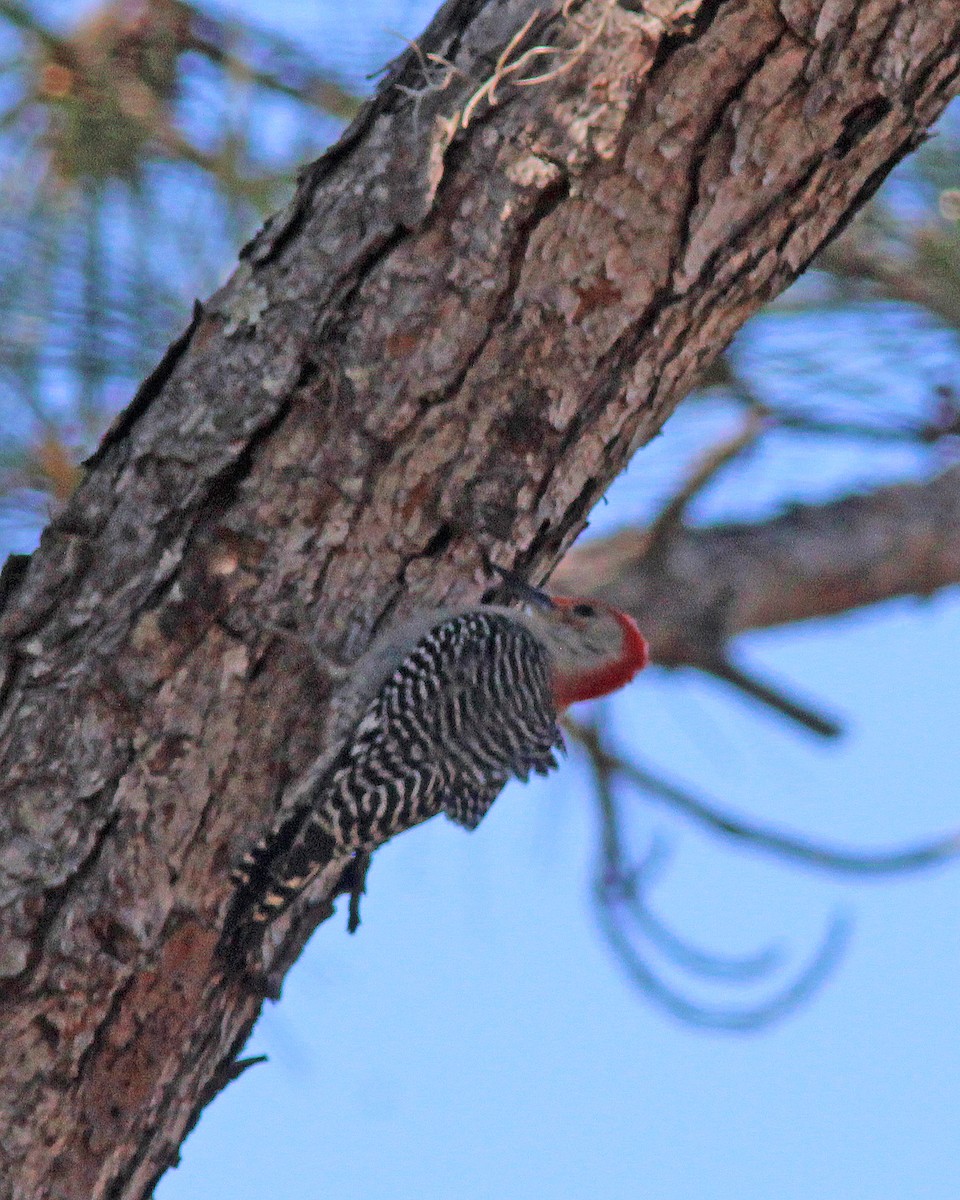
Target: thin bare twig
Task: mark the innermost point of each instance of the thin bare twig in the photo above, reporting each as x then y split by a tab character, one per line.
772	696
711	816
620	900
944	423
501	70
670	517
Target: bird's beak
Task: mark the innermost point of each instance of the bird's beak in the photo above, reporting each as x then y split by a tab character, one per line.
523	590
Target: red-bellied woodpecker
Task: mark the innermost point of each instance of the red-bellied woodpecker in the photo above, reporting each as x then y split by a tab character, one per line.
451	706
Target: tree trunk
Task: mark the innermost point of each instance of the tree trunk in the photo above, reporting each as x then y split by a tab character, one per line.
492	291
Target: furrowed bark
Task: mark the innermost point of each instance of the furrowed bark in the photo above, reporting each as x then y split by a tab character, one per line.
707	585
477	306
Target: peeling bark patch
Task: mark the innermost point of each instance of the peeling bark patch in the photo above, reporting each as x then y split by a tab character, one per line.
123	1075
598	294
521	426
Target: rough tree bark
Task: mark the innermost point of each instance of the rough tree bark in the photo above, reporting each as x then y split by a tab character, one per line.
477	306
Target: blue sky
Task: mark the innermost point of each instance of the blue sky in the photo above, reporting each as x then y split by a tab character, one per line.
476	1039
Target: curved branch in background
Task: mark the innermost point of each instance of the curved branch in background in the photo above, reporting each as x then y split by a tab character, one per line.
619	882
638	936
710	816
736	1020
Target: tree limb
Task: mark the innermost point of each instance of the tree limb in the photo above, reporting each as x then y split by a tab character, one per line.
812	561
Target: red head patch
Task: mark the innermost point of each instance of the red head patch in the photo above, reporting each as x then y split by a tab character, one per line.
608	676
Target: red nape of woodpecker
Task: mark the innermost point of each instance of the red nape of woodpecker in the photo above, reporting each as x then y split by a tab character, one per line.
599	625
447	708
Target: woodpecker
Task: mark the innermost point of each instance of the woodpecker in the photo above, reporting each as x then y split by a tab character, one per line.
451	704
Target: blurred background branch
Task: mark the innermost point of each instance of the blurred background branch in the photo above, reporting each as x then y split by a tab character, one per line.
139	148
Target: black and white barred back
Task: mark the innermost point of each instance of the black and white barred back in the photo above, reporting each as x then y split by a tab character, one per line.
467	709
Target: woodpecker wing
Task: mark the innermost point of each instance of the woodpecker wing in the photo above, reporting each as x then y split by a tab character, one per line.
468	708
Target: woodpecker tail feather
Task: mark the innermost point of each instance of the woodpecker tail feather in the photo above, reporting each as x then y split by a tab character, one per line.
273	873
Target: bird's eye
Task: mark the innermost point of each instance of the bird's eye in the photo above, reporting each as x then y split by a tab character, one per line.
584	610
